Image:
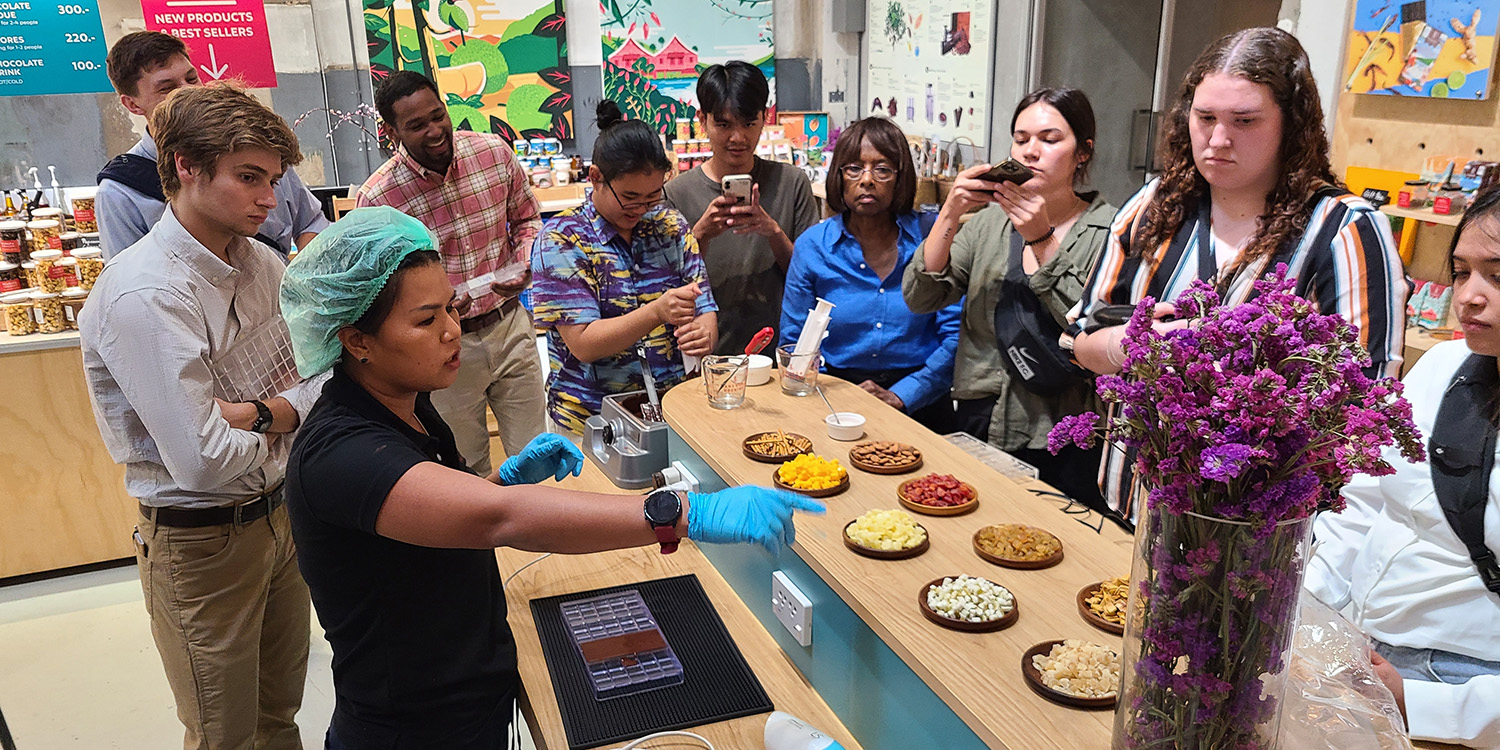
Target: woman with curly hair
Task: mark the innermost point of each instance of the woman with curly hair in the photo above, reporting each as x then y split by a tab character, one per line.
1246	185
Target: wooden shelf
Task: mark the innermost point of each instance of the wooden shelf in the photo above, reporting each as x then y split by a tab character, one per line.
1422	214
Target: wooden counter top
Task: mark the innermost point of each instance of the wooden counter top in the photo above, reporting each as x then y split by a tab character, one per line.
561	574
977	675
37	342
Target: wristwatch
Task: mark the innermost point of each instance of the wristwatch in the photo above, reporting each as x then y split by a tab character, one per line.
663	508
263	417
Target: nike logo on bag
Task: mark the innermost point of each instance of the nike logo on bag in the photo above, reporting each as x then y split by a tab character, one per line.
1019	357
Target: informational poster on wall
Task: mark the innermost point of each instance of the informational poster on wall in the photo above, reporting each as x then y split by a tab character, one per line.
501	65
930	64
654	51
51	47
225	38
1440	49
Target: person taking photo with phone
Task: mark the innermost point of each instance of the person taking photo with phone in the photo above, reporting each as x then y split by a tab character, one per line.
747	245
620	269
1246	185
1018	266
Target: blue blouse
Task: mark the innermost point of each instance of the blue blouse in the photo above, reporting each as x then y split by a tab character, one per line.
870	327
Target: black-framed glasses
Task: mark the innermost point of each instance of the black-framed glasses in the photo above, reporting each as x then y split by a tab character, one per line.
881	172
652	201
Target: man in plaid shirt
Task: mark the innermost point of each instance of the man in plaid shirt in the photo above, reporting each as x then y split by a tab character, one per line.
470	191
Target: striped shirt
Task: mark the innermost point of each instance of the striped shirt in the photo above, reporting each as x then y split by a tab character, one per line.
481	209
1346	263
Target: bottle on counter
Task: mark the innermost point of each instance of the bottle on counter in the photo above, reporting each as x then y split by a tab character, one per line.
18	318
10	206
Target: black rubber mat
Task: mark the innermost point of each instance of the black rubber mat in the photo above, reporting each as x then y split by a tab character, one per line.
717	683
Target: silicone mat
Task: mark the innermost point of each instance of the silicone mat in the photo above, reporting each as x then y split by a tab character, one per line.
717	683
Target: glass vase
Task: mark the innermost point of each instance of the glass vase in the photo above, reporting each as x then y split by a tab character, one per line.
1208	631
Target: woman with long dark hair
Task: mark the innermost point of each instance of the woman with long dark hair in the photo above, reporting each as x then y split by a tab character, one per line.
855	260
1412	557
1021	262
1246	185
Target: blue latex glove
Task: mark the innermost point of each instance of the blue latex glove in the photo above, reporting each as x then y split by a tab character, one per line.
547	455
746	514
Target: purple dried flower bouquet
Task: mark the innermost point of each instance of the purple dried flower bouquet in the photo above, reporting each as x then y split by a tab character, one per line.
1243	425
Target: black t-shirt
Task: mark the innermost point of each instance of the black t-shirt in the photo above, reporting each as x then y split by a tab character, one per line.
422	654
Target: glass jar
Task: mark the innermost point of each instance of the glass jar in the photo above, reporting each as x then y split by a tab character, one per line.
48	310
72	301
48	277
68	268
1448	200
18	320
12	240
69	241
90	264
83	210
28	274
10	278
45	234
1414	194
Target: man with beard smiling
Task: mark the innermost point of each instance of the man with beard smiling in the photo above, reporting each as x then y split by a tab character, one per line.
470	191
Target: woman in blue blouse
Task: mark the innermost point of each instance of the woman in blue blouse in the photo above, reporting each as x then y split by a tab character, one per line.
855	260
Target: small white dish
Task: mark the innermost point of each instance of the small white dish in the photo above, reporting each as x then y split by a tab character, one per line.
761	368
849	426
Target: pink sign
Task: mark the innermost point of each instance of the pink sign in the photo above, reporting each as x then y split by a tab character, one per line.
225	38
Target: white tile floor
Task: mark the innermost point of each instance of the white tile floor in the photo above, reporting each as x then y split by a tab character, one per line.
78	669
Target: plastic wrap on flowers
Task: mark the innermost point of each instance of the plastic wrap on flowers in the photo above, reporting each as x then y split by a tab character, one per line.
1334	698
1205	661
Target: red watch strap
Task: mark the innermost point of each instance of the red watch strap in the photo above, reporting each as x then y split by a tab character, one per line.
667	537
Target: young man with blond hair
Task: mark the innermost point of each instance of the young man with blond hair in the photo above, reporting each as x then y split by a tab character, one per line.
189	369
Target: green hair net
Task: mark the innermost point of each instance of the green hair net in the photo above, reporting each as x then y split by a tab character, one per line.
333	282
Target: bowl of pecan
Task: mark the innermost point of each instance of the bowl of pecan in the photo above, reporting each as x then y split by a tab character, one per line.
885	457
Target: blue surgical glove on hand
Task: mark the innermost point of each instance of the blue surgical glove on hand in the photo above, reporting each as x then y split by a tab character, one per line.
547	455
746	514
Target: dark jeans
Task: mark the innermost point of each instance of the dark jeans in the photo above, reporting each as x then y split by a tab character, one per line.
936	416
494	735
1073	472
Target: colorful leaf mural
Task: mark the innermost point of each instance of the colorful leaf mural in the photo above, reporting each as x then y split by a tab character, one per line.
502	65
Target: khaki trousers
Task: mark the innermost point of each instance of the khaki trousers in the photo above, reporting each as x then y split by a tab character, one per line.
498	368
231	618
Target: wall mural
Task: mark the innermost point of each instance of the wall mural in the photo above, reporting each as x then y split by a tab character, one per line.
654	51
1430	48
502	65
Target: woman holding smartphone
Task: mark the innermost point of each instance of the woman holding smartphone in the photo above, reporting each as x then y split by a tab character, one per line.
1033	245
1246	185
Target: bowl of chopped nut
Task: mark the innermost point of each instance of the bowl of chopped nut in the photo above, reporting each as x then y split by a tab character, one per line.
1073	673
970	604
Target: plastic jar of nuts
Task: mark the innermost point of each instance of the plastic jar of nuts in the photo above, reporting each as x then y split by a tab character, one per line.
49	277
68	268
46	234
69	241
72	301
10	278
28	273
48	309
13	241
90	264
18	320
83	210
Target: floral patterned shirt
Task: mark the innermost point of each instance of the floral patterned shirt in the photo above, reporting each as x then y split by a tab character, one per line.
583	271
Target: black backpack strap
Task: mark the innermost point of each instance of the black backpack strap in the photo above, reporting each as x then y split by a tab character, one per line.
1014	268
1462	455
135	172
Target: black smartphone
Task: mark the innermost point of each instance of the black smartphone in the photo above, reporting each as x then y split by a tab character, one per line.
1113	315
1009	170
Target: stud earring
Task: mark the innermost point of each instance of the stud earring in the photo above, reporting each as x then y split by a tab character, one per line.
364	360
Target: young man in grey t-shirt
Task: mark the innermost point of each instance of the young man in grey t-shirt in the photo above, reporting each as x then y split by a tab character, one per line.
746	248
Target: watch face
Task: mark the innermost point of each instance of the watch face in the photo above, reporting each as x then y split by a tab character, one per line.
663	507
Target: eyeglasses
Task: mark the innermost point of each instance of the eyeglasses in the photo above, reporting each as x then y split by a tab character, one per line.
882	172
652	201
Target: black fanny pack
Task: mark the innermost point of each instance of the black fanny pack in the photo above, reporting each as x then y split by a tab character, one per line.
1027	334
135	172
1461	453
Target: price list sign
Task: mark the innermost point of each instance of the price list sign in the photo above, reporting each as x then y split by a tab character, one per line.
51	47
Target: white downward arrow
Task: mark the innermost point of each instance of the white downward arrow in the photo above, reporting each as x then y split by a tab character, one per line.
217	71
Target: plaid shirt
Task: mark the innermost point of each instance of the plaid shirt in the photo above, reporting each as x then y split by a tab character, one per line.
482	210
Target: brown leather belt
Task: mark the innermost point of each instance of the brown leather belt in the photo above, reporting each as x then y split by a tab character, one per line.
193	518
481	322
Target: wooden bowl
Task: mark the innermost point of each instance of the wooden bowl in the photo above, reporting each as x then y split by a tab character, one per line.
1008	562
968	627
880	554
827	492
930	510
1034	679
873	469
765	459
1088	614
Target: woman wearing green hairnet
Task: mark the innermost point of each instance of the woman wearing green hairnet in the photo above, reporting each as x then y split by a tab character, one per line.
395	534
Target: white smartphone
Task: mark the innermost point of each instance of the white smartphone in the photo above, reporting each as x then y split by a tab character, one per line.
738	186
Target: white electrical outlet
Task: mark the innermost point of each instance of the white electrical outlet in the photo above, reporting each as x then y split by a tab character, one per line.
792	608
